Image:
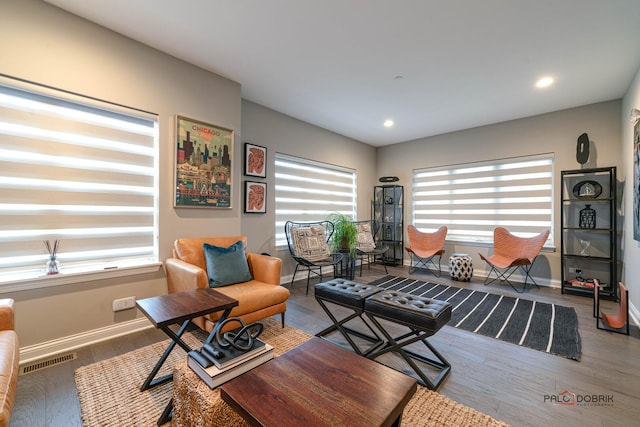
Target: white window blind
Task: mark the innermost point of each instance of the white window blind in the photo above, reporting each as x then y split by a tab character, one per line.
77	170
473	199
310	191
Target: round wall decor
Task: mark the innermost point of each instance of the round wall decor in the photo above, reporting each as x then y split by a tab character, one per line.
388	179
587	190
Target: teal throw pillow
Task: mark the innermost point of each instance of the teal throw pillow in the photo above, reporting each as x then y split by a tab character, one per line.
226	266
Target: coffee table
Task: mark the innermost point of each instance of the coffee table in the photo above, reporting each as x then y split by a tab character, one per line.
320	384
166	310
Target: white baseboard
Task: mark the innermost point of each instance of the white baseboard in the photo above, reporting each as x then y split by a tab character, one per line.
43	350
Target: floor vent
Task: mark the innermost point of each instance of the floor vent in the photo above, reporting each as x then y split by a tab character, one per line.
47	363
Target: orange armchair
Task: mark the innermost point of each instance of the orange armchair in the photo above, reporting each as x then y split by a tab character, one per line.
9	360
258	298
511	253
424	247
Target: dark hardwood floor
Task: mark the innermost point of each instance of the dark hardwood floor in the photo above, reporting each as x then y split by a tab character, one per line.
508	382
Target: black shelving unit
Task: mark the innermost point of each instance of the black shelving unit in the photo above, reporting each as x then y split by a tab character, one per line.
388	217
589	240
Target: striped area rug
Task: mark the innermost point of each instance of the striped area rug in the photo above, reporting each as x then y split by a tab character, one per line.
546	327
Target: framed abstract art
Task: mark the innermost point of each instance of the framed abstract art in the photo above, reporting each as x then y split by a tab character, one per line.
255	160
636	181
255	197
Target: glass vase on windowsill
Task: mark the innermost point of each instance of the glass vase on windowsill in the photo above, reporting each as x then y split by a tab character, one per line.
53	266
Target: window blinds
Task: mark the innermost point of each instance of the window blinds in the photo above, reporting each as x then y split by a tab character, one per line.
79	171
473	199
310	191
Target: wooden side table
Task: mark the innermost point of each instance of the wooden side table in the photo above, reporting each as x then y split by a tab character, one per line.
320	384
175	308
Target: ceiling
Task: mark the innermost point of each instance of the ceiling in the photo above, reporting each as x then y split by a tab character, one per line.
432	66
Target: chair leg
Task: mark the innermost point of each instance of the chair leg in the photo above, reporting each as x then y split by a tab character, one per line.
503	277
282	318
436	270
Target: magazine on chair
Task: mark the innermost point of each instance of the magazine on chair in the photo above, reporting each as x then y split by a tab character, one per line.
214	376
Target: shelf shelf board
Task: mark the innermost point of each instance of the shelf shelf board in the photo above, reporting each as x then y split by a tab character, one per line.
588	230
588	258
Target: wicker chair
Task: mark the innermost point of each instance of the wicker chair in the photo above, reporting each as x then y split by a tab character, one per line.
309	247
618	322
424	248
511	253
366	245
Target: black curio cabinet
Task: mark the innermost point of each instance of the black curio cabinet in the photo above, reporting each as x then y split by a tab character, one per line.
388	216
589	240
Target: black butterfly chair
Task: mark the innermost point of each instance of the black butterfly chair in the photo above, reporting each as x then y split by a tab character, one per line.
309	247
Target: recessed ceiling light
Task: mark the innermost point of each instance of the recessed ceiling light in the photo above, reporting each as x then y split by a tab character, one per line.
388	123
544	82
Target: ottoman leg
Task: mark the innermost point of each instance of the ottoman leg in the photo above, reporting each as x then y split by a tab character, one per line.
347	332
396	344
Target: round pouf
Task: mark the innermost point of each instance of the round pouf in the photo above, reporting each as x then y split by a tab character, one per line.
461	267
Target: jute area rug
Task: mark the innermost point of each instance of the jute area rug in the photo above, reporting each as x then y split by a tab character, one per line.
109	391
551	328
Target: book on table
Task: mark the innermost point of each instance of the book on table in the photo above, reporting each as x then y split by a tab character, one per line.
227	356
214	376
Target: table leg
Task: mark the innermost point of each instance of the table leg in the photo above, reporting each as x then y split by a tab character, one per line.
214	331
175	339
166	414
168	410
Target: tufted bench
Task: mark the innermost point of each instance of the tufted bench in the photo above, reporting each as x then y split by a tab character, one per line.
351	295
423	316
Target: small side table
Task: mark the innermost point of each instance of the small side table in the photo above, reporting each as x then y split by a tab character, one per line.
461	267
165	310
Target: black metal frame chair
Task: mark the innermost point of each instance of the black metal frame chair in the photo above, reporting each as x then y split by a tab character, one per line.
379	249
312	266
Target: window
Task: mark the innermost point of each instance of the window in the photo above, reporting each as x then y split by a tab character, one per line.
310	191
473	199
77	170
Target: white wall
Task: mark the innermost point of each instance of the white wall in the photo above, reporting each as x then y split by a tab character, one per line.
630	247
48	46
548	133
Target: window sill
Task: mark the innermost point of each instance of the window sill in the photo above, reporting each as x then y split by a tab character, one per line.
39	280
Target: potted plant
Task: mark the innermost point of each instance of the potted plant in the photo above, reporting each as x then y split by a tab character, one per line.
344	234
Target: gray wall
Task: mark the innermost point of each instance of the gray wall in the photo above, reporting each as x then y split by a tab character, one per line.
49	46
285	135
548	133
46	45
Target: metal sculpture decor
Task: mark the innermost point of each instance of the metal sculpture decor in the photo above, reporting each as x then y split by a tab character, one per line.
240	339
587	217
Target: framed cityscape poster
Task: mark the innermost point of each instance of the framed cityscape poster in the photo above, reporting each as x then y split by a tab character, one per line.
203	166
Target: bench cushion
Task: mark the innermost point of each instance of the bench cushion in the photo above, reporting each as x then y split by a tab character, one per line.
345	292
426	314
